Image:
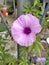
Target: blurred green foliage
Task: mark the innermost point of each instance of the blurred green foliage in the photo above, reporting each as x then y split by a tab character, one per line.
5	57
35	9
47	58
1	7
24	61
2	27
10	9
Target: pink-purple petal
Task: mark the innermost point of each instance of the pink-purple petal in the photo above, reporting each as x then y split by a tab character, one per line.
26	40
43	59
40	59
29	22
36	29
21	20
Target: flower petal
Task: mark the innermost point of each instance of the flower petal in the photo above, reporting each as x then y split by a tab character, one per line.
38	60
34	24
22	20
17	25
25	40
43	59
36	29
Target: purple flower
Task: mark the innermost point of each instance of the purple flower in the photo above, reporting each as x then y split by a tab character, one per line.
40	59
24	29
43	59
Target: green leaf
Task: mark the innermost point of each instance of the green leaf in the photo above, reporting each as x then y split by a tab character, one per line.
35	2
39	4
40	45
24	61
2	27
38	37
36	47
32	47
44	24
37	50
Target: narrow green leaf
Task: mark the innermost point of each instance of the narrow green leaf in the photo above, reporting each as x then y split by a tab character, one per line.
40	45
